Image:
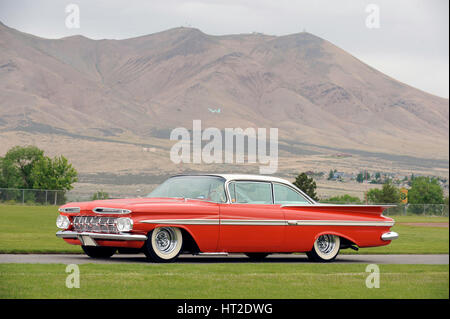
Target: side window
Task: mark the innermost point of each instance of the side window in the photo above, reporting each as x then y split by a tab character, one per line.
286	195
250	192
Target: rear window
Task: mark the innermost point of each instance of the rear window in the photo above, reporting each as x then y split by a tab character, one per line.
251	192
286	195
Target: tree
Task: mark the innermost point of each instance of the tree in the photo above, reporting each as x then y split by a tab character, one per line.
307	185
389	194
331	174
411	179
9	175
17	165
425	190
54	173
360	178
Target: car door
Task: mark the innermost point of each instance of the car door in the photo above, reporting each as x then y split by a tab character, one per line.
250	222
297	238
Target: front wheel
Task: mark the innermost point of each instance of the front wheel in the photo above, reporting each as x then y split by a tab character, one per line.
163	244
325	249
99	252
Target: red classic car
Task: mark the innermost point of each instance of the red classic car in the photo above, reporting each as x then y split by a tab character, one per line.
223	213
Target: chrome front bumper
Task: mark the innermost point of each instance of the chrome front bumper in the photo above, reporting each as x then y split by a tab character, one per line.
99	236
389	236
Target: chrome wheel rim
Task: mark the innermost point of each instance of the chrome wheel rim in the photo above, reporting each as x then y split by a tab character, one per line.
166	240
326	243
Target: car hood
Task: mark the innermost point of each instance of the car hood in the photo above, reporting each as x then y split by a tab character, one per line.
133	204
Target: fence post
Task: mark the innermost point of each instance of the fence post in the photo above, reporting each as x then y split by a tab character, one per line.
56	197
23	196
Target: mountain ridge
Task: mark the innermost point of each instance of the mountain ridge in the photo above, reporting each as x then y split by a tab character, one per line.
312	90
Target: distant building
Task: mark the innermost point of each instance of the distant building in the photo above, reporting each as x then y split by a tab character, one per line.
338	176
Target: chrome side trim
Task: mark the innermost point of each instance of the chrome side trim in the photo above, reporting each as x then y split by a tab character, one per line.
253	222
109	210
343	223
268	222
213	254
100	236
389	236
182	221
336	205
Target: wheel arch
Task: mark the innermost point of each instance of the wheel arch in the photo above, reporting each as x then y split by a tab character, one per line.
189	240
189	243
345	239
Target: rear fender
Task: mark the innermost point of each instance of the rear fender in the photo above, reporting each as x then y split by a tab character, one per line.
349	238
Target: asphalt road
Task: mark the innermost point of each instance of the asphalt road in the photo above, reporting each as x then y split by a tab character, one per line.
232	258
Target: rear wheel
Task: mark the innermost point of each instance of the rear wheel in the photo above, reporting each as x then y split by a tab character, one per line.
99	252
325	249
163	244
257	256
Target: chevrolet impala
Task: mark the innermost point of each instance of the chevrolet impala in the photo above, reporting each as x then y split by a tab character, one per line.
220	214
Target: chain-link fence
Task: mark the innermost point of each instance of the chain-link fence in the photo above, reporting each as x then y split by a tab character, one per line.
50	197
60	197
418	209
75	196
32	196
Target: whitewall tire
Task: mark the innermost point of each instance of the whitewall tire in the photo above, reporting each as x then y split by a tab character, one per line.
325	249
164	244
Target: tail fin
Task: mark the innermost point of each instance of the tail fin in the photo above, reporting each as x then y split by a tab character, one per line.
347	209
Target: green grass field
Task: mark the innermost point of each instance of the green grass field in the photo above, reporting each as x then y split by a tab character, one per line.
413	239
180	281
31	229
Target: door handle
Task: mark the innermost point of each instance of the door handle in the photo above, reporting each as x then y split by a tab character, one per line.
292	222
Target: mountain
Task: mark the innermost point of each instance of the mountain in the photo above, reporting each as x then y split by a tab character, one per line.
322	99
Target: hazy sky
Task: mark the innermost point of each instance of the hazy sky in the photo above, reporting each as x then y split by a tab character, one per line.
411	43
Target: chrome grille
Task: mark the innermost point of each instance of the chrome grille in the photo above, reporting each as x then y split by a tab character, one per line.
95	224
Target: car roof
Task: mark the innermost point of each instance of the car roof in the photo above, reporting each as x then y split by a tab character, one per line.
252	177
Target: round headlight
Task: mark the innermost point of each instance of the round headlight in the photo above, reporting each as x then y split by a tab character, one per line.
62	222
124	224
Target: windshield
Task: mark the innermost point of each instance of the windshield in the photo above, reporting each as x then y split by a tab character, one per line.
209	188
